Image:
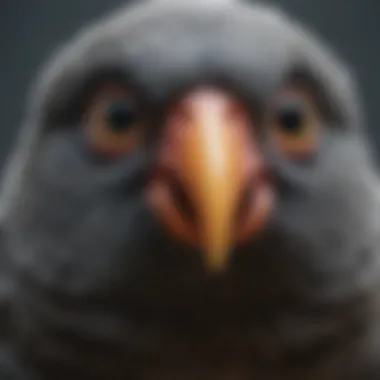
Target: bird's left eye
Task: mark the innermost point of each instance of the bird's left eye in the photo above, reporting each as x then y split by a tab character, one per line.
111	122
294	126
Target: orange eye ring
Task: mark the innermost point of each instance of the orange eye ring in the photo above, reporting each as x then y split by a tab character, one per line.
295	122
111	121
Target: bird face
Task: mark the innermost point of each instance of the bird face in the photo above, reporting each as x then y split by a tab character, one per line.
211	189
219	139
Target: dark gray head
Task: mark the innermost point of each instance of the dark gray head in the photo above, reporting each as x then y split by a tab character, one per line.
91	200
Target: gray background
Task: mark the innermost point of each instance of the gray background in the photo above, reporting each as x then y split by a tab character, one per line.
30	29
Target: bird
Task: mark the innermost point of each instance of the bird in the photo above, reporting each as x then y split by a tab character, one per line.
192	195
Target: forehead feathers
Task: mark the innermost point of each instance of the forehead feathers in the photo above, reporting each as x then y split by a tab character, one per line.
161	42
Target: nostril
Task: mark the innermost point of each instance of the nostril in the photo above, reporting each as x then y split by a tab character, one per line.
178	194
243	208
181	199
249	194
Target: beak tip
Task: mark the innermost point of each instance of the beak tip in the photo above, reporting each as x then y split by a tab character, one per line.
216	260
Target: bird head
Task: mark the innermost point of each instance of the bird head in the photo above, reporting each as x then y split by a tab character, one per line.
215	136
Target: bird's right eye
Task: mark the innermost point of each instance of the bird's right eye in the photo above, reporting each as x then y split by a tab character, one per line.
111	122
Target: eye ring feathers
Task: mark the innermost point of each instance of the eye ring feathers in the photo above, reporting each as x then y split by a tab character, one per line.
111	121
294	126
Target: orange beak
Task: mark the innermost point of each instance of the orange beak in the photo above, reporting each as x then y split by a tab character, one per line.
210	189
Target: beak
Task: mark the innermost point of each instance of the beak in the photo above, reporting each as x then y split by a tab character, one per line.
210	189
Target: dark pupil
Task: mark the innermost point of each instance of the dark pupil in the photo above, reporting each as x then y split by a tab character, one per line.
290	119
121	116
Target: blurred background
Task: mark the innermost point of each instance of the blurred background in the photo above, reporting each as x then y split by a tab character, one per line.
31	29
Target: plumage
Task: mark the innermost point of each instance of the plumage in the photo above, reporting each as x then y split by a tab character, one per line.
94	283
